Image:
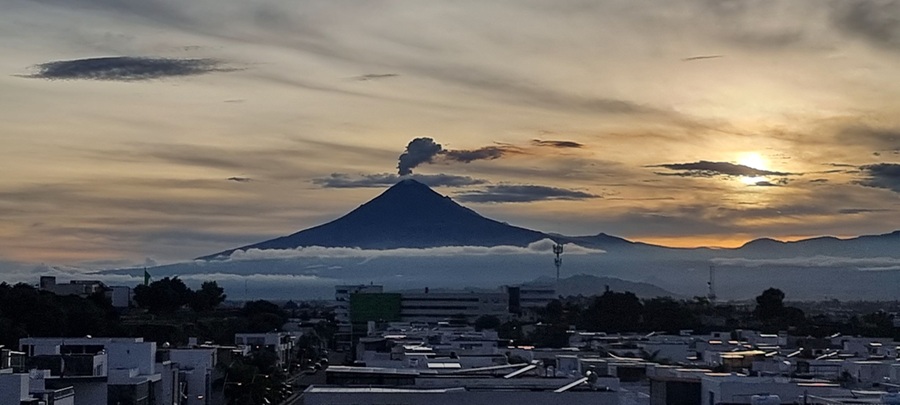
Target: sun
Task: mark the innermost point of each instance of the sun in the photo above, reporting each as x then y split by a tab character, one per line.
756	161
753	159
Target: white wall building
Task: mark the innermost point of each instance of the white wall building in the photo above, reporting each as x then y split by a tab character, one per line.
22	388
739	389
100	370
433	307
281	343
196	367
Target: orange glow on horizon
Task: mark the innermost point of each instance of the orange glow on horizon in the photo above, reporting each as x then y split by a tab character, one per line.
720	241
712	241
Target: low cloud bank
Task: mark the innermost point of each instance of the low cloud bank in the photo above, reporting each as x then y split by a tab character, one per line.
863	264
541	247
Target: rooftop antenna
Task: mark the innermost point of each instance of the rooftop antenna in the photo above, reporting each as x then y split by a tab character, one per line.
711	285
557	250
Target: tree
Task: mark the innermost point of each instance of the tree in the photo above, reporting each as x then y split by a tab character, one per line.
208	297
27	311
487	322
769	304
164	296
614	312
511	330
667	314
263	316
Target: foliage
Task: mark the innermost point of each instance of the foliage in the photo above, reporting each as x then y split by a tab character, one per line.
773	315
254	379
207	298
769	304
551	335
263	316
164	296
613	312
511	330
486	322
667	315
27	311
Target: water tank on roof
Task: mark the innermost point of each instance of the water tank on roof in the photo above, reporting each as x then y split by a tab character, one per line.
765	399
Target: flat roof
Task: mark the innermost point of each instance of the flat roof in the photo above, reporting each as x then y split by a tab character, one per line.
372	370
376	390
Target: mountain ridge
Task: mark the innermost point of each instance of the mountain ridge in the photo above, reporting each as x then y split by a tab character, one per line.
410	214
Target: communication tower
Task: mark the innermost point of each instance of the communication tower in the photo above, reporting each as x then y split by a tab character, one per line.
557	250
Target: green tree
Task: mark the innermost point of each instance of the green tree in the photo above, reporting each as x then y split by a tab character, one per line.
511	330
614	312
164	296
486	322
668	315
208	297
263	316
27	311
769	304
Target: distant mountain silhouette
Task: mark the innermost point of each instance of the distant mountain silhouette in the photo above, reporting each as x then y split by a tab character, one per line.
411	215
861	246
407	215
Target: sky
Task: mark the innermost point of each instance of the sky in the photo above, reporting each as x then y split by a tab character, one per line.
153	131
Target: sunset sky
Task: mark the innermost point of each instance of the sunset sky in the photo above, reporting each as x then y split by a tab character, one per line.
162	130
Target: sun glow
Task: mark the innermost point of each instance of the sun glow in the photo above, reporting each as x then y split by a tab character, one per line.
756	161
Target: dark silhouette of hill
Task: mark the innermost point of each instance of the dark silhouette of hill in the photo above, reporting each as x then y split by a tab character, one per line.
412	215
861	246
407	215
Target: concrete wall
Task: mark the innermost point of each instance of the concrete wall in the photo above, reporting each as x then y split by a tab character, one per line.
13	388
89	393
739	390
196	366
139	355
167	389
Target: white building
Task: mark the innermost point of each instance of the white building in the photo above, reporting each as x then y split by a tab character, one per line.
22	388
868	347
433	307
530	296
514	385
195	368
717	388
120	296
329	395
100	370
281	343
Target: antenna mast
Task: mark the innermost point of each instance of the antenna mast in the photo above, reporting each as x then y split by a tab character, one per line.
711	285
557	250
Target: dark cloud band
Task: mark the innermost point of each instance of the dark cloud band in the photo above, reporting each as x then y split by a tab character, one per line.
556	144
505	193
882	175
342	180
705	168
125	68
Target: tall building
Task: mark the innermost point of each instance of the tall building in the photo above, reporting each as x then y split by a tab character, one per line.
342	295
467	306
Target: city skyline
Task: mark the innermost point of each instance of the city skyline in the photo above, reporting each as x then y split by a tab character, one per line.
159	131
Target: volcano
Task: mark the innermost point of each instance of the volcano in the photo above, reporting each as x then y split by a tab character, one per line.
407	215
